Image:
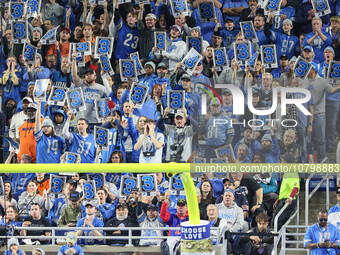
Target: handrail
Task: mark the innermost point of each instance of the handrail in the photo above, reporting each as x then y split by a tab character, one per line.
276	219
219	237
129	237
309	195
306	196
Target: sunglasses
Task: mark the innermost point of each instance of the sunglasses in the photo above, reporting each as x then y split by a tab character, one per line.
323	219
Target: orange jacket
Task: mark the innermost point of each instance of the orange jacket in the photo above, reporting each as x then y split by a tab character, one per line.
27	140
64	50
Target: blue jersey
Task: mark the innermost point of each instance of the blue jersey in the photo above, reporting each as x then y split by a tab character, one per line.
228	111
207	28
10	89
285	44
218	129
107	210
115	178
318	45
76	247
116	144
229	37
317	234
148	81
9	252
60	79
334	216
128	39
96	223
19	183
54	212
322	69
277	22
49	149
193	103
173	203
263	39
85	146
234	4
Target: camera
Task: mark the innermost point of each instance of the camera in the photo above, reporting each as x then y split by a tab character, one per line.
177	146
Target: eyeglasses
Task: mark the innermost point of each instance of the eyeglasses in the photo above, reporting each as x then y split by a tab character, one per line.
323	219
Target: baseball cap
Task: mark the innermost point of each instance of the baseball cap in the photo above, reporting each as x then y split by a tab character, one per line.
186	76
74	196
152	207
229	19
92	203
151	15
337	190
124	205
229	190
30	100
89	70
66	29
71	181
177	27
288	21
228	179
152	64
215	102
315	66
32	106
181	201
180	113
161	64
308	47
284	56
47	122
330	48
226	91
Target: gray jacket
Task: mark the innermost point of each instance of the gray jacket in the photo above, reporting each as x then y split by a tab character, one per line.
25	202
233	215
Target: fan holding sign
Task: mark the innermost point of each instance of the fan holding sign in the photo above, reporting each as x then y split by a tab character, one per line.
191	60
19	31
318	87
175	49
91	90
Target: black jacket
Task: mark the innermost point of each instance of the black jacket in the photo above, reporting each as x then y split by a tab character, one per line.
128	222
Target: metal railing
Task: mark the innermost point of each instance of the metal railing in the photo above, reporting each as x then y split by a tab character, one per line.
309	195
130	237
282	231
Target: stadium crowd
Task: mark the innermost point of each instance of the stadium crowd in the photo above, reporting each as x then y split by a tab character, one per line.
153	132
239	203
